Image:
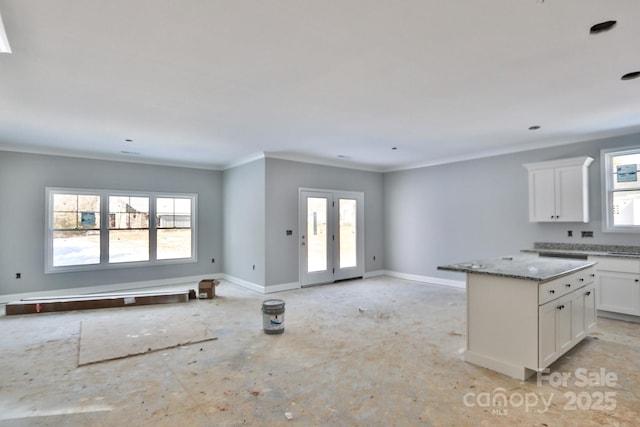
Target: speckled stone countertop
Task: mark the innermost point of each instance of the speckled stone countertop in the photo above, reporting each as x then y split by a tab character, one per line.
526	267
577	249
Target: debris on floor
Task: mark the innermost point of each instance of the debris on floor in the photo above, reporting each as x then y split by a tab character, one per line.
91	301
207	288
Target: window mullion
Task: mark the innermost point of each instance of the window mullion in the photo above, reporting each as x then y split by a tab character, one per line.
153	230
104	228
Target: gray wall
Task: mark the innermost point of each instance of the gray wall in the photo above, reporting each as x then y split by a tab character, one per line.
479	208
415	220
283	179
244	222
23	178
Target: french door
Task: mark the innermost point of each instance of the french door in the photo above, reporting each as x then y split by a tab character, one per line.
331	236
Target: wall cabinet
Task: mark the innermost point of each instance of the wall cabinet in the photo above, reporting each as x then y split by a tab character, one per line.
559	190
618	284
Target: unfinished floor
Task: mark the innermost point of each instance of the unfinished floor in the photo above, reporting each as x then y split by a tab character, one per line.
375	352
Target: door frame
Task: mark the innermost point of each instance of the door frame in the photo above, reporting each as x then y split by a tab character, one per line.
333	272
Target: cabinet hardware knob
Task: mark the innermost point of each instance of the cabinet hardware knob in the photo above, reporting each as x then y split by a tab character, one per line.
588	293
637	280
552	291
592	275
581	280
568	285
560	307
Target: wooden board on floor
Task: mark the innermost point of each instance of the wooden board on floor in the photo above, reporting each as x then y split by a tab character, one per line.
85	302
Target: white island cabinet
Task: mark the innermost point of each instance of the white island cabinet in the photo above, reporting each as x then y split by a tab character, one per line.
524	312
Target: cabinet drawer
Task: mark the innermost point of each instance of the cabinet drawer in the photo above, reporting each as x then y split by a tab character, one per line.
622	265
557	288
586	276
562	286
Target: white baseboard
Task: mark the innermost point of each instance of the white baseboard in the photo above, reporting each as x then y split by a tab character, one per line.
261	289
461	284
375	273
193	280
619	316
127	286
282	287
244	283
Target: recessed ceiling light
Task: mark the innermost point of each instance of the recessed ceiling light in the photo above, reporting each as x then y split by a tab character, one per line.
394	148
602	27
631	76
4	41
534	127
128	140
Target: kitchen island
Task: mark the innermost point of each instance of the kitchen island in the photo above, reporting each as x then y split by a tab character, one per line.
524	312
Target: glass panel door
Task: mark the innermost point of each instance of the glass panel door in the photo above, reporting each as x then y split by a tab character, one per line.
315	235
347	240
331	240
317	244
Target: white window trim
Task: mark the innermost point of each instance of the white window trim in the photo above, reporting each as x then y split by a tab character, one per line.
607	189
104	230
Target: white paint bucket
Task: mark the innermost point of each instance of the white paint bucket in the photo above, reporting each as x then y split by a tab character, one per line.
273	316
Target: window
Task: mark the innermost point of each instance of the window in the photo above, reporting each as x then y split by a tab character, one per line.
75	229
96	229
621	194
173	225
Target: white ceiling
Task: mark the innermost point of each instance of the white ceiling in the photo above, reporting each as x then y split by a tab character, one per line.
212	83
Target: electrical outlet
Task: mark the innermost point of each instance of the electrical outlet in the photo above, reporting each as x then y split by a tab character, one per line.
587	234
213	260
254	266
374	257
569	233
18	275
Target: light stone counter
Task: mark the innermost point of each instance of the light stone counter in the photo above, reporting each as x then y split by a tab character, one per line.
526	267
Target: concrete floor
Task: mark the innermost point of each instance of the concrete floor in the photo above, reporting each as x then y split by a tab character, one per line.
397	362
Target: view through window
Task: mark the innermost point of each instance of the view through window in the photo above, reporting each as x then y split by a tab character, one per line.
91	229
622	194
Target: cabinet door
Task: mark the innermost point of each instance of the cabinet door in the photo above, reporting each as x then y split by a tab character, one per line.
542	195
564	312
619	292
570	203
590	314
578	327
547	338
554	331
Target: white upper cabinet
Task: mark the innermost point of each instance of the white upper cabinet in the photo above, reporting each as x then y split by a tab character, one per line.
559	190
